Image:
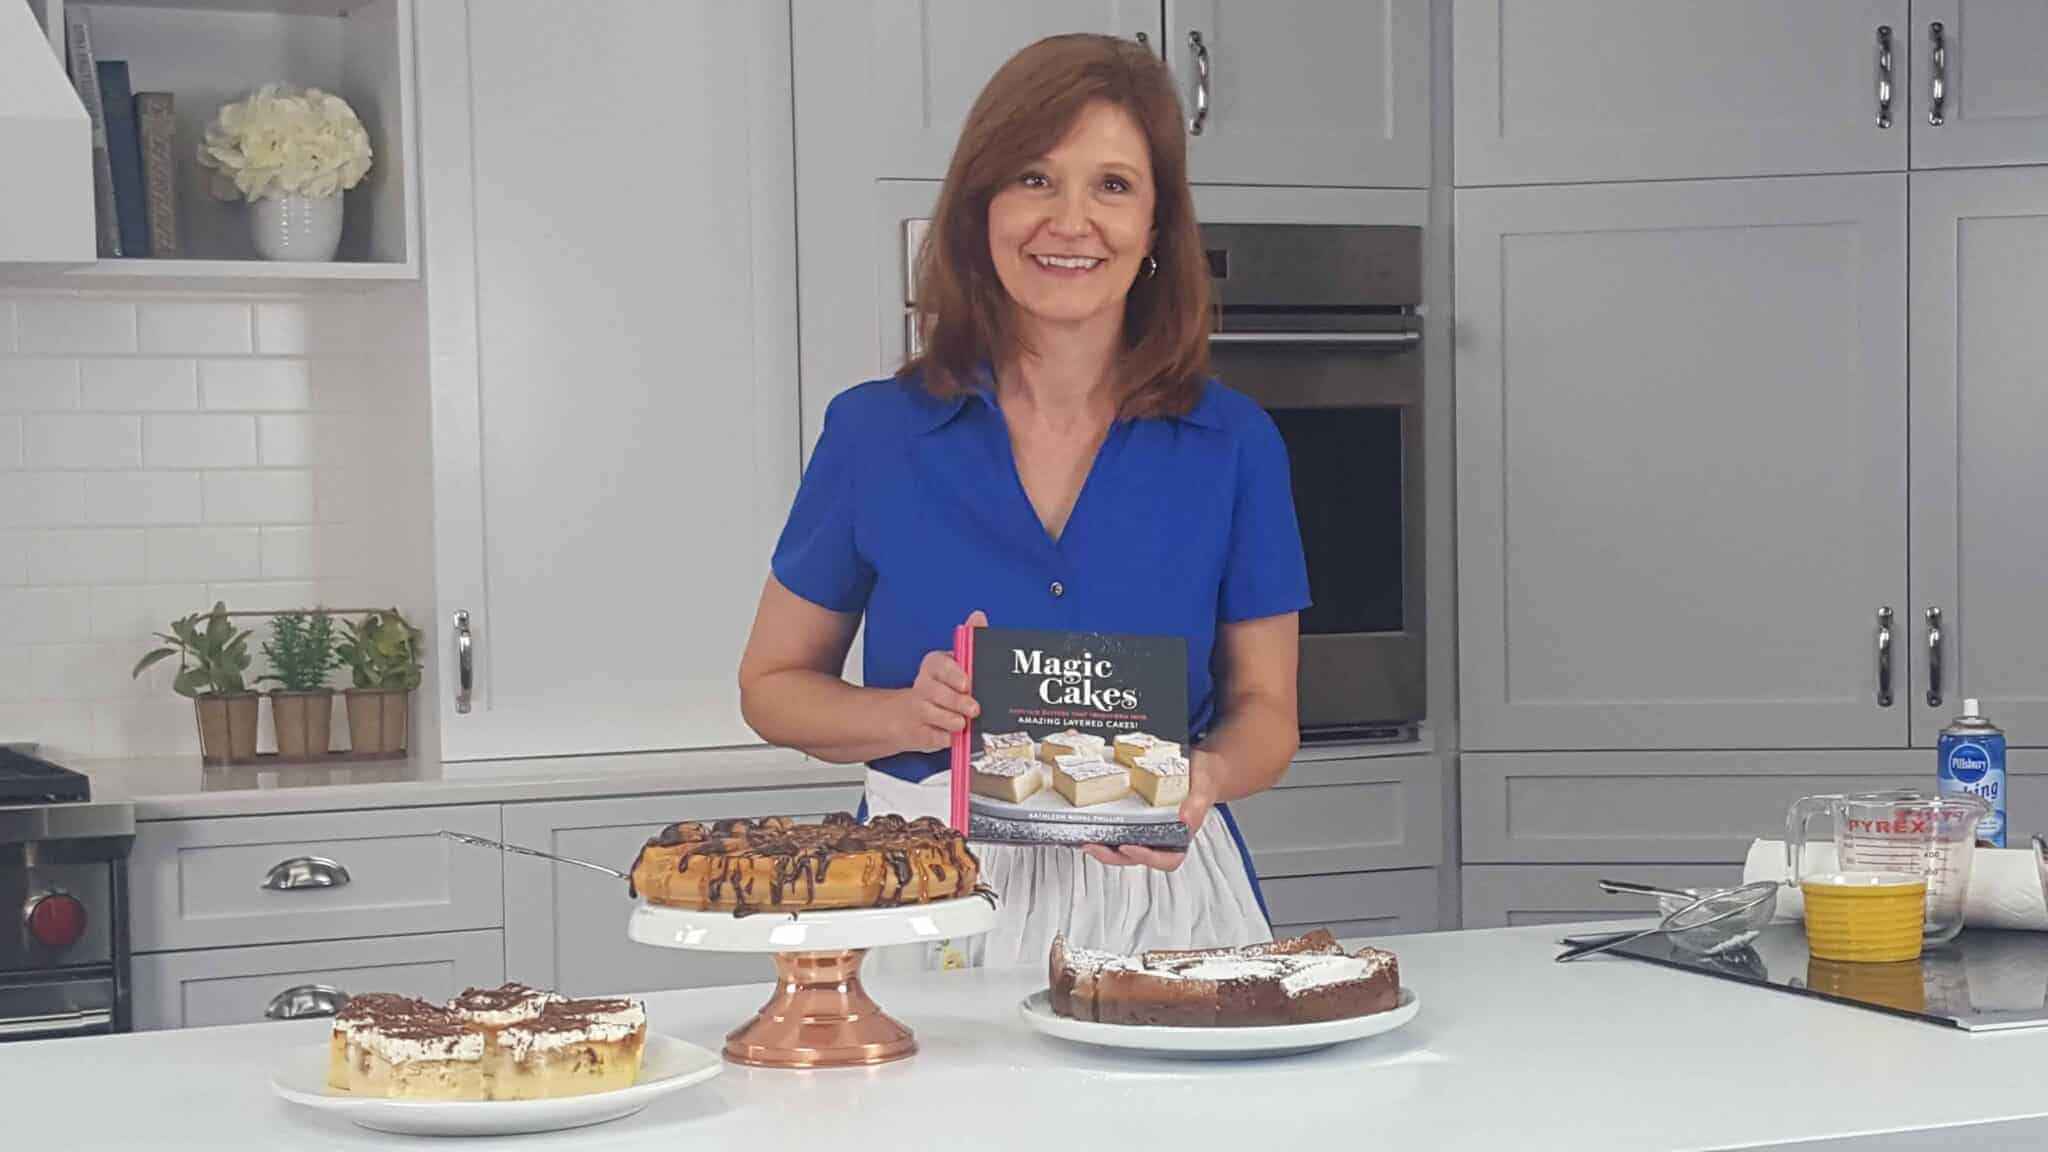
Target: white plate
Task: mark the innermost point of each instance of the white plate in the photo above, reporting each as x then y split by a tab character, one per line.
666	1065
829	931
1217	1043
1048	804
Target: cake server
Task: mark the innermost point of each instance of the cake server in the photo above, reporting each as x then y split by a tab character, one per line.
482	842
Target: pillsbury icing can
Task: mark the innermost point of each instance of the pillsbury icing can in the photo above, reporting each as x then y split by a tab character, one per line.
1971	757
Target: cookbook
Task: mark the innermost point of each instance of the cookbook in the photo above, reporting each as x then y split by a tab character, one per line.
1082	738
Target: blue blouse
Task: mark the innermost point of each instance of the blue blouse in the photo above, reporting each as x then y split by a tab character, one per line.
912	510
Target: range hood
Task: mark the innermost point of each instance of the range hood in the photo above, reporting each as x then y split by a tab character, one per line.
46	196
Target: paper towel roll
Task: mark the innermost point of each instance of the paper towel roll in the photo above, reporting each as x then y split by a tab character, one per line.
2005	887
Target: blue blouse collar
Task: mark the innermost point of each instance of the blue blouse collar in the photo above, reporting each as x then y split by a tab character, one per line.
934	412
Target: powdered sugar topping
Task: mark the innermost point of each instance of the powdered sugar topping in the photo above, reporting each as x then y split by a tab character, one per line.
1001	766
1007	744
1163	764
1087	767
1332	970
1077	741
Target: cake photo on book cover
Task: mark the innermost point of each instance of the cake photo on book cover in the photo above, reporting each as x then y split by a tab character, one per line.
1082	738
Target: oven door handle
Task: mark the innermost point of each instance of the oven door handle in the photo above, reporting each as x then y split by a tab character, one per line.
56	1024
1385	341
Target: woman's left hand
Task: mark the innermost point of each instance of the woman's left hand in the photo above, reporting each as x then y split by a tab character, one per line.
1204	770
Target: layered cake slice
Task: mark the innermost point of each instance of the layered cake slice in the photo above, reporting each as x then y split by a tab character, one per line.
1008	745
1089	780
360	1012
1005	778
572	1048
492	1010
1288	982
1160	777
1131	745
1071	743
410	1050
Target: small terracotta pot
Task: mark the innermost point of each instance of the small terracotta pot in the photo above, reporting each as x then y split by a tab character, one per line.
227	727
304	722
379	720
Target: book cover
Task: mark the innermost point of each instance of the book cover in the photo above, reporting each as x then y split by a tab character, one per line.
85	78
124	155
1082	738
156	121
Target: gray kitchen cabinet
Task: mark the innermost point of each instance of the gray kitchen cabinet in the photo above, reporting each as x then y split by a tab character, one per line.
612	364
244	985
1583	90
311	876
927	62
1497	896
1994	106
1682	454
1332	816
1355	905
1304	92
565	927
1979	356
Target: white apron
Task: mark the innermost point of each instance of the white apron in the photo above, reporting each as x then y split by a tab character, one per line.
1207	902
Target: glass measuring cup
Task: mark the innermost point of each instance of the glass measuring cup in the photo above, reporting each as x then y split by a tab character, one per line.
1903	831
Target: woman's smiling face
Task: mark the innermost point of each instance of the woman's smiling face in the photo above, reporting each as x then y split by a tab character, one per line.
1069	233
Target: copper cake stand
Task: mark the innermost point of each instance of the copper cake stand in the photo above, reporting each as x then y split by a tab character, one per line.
819	1015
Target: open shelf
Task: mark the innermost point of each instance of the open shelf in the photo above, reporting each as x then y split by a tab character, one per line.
208	52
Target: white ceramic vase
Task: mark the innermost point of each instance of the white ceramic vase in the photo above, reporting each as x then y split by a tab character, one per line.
296	227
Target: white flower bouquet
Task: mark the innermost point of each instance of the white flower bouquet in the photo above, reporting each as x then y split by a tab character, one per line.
285	142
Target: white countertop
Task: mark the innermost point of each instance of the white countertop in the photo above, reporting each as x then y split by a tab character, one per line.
181	788
1510	1051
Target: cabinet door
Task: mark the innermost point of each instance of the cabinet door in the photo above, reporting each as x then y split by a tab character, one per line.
244	985
929	61
1994	107
1682	457
1304	91
1572	90
612	318
566	927
1980	354
1513	896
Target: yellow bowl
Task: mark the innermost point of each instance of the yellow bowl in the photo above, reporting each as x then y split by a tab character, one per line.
1864	917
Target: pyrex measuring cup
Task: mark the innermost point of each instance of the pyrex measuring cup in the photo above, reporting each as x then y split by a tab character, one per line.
1901	831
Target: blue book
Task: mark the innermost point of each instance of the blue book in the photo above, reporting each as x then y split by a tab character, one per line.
124	153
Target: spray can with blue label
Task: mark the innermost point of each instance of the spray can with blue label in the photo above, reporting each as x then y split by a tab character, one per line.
1971	752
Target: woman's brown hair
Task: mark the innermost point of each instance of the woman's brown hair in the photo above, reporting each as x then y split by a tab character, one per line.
1029	105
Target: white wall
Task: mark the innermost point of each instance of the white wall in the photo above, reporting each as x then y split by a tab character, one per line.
158	453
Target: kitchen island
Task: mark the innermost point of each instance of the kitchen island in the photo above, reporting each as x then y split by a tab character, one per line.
1510	1051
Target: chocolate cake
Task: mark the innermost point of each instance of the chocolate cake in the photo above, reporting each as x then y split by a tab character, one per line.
1295	981
775	865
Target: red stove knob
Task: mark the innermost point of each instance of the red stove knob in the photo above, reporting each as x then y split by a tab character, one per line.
56	921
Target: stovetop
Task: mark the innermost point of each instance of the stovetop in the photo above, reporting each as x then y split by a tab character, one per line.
26	779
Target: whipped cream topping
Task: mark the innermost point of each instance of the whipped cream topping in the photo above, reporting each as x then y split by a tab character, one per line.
1001	765
1087	767
498	1007
407	1043
1007	743
1077	741
1143	741
567	1023
1163	764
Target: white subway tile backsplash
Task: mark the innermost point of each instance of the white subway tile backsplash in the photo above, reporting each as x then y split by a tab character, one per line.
268	497
192	554
111	556
287	553
62	728
342	550
13	561
143	498
10	441
151	726
283	328
6	327
91	672
285	441
28	499
267	596
39	385
138	612
256	385
194	328
81	440
66	325
45	615
139	386
172	441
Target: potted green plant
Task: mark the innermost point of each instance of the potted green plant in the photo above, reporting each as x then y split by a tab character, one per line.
212	655
301	651
382	651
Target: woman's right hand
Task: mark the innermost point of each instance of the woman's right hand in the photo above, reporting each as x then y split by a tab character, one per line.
937	704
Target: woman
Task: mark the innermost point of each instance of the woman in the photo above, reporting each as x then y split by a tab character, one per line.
1057	458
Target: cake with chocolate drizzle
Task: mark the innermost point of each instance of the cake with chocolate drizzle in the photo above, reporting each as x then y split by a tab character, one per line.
505	1043
777	865
1300	980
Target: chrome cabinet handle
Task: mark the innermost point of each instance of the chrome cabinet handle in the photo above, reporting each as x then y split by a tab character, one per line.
306	1001
305	872
1884	76
465	662
1884	657
1934	657
1201	53
1938	87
